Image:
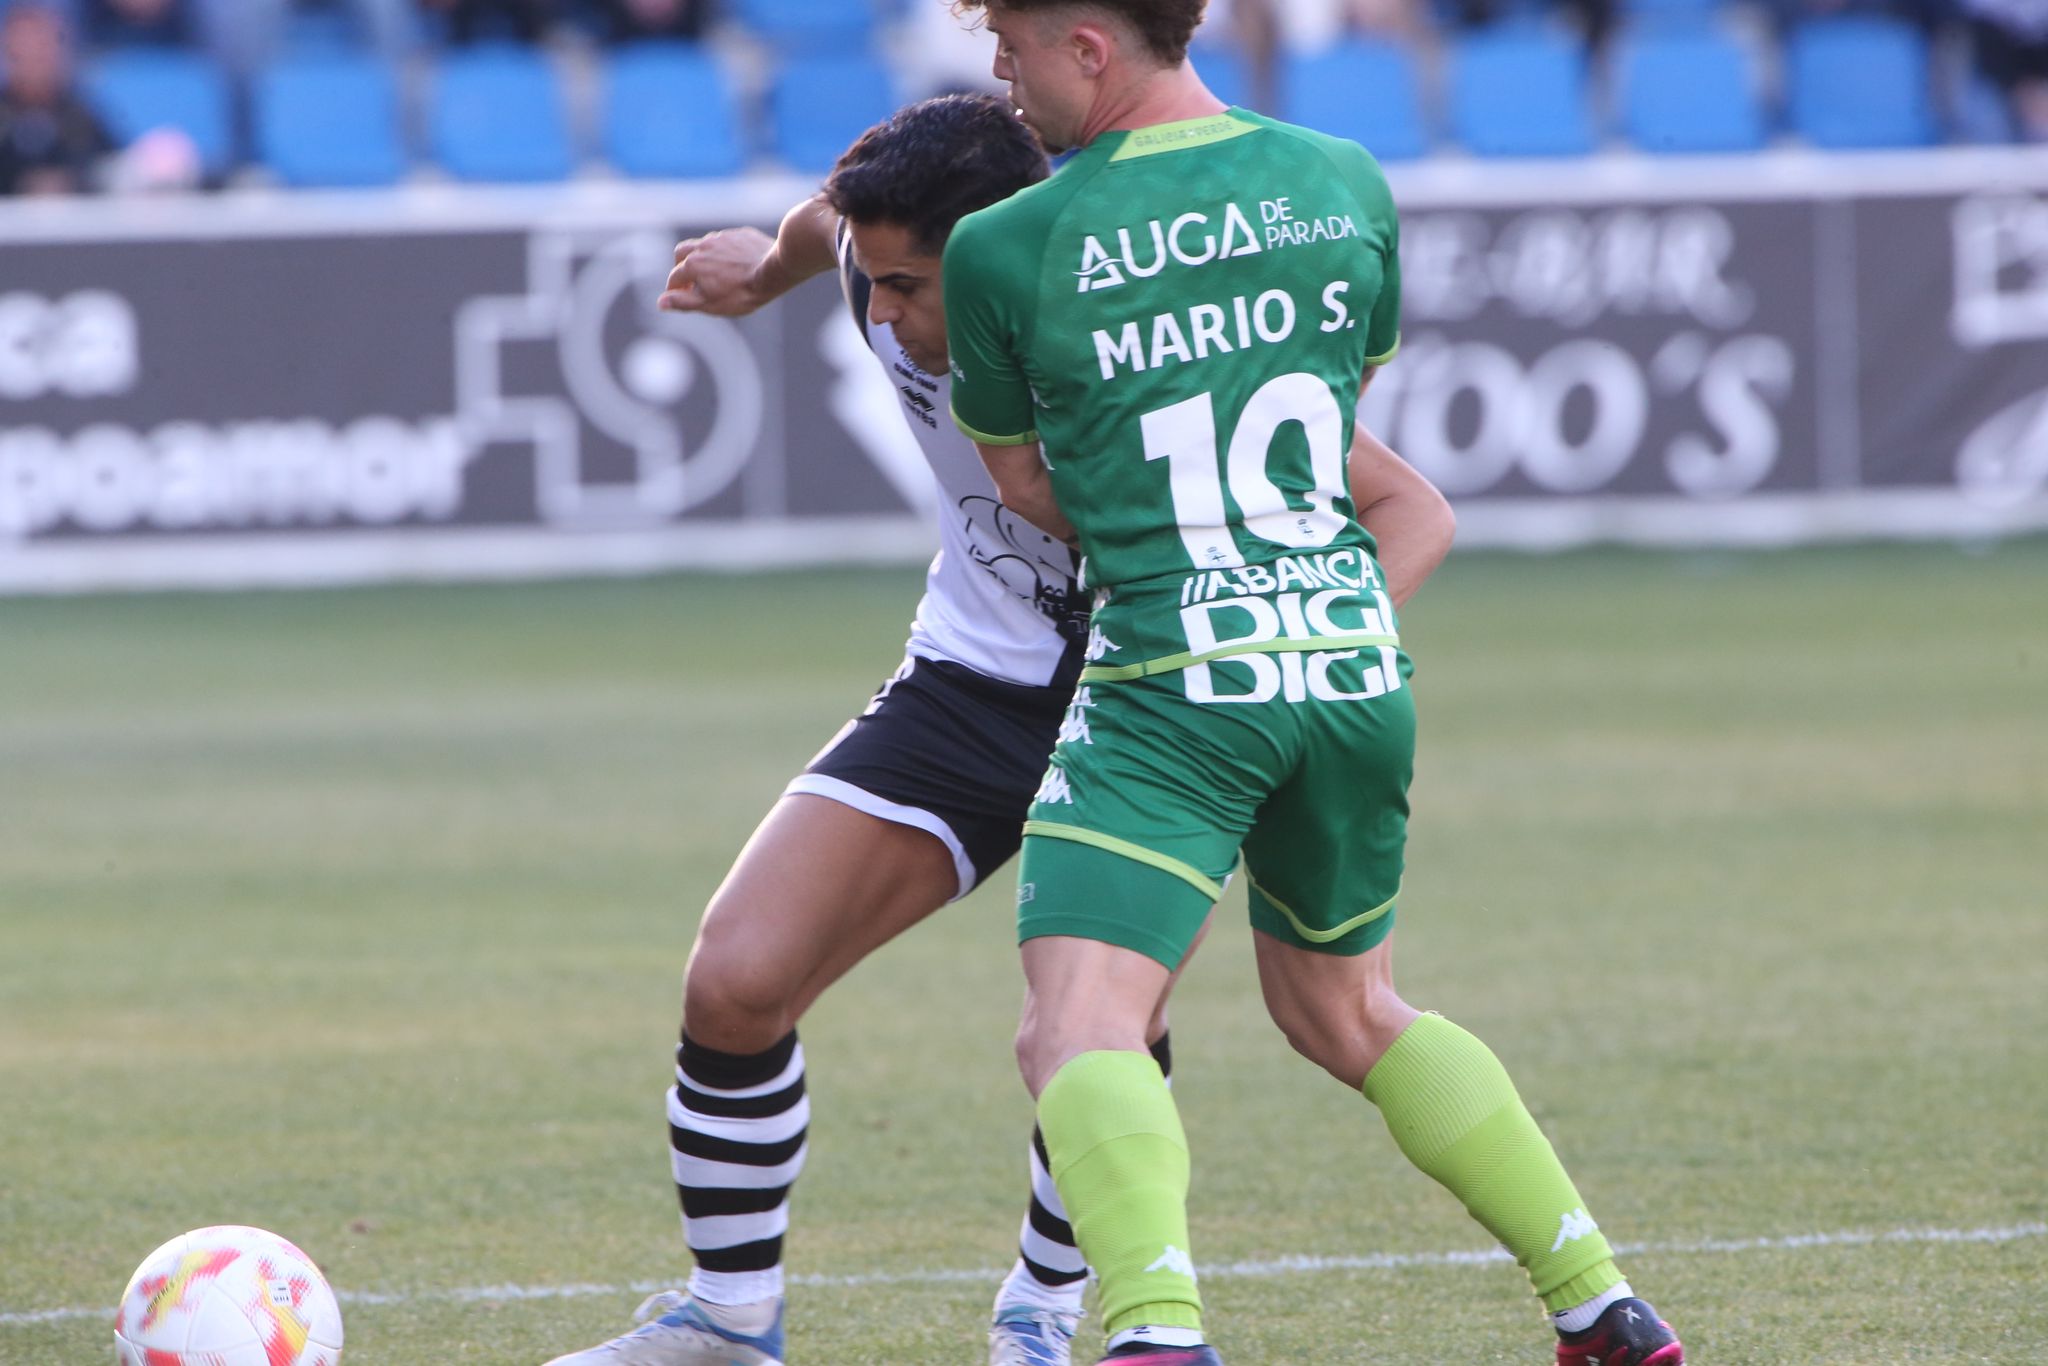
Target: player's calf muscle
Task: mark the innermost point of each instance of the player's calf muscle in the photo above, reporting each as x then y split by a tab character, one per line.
1342	1014
1083	997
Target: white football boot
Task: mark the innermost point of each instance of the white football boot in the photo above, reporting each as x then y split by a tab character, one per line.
1025	1335
679	1331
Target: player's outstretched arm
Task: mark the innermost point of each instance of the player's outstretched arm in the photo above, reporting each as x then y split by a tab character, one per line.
734	271
1411	522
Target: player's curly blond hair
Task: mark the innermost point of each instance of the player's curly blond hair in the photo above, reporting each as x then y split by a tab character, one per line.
1166	27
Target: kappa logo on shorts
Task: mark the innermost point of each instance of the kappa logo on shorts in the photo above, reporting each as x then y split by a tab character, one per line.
1074	726
1027	892
1054	788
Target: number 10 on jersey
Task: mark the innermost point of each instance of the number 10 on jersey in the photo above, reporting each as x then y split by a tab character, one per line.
1184	436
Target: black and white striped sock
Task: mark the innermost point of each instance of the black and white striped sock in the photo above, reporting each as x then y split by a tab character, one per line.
736	1130
1050	1272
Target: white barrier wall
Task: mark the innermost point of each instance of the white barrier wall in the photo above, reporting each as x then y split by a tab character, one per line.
276	389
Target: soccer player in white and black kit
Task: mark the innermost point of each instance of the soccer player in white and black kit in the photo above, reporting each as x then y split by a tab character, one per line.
923	795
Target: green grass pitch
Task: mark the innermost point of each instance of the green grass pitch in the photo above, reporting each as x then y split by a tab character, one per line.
361	916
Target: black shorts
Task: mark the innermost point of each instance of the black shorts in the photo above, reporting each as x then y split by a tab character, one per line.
950	751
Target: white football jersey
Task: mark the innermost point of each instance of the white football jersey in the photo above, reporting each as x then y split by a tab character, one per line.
1001	596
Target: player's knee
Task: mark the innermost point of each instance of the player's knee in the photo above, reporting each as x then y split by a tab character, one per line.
1048	1041
1033	1053
1044	1045
733	999
1155	1028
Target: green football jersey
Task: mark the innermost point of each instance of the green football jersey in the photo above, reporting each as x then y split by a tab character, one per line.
1182	316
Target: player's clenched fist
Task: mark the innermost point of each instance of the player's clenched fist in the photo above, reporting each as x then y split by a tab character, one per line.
720	273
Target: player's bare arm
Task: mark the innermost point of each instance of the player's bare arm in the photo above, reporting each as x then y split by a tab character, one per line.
1410	521
1026	486
734	271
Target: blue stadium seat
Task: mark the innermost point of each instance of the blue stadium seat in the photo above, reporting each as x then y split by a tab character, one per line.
816	26
1520	91
329	120
497	115
668	111
1674	14
322	29
1688	91
1366	91
820	104
1860	81
143	88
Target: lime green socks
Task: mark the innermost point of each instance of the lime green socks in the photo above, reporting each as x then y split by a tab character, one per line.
1120	1160
1457	1117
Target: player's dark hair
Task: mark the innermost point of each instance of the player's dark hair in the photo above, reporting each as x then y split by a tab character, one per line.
931	164
1166	27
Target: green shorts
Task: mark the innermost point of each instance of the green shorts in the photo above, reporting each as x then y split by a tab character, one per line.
1151	795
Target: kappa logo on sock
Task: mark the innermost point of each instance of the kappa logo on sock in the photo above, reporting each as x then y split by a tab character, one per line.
1176	1261
1574	1225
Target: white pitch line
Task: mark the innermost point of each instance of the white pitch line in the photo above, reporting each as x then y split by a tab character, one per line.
1250	1270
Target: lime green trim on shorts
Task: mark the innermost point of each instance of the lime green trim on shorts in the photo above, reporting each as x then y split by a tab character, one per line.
985	439
1186	872
1172	137
1387	355
1323	936
1186	659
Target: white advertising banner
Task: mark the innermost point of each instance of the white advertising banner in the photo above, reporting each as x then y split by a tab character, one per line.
281	389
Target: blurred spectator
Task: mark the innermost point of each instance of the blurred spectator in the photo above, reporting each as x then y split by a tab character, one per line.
629	21
250	33
50	141
471	21
137	23
160	160
938	53
1928	15
1593	19
1264	30
2010	38
1313	25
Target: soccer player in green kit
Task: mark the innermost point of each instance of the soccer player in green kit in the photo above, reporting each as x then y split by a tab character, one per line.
1158	350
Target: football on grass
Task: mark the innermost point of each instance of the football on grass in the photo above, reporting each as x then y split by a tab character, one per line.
227	1296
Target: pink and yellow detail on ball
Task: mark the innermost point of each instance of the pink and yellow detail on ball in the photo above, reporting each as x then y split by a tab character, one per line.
228	1296
170	1291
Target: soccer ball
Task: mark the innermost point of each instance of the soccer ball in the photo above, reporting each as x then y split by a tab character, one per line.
227	1296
